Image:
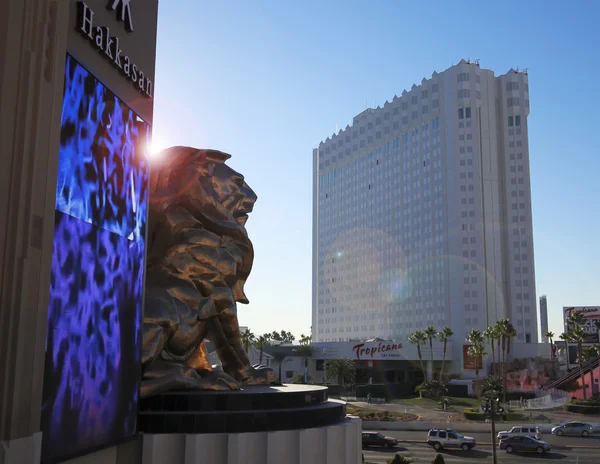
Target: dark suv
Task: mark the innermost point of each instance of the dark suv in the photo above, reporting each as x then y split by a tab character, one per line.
377	439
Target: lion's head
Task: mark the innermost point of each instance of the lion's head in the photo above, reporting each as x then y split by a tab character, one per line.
195	189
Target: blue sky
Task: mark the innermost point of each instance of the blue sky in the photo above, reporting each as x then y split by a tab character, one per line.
268	80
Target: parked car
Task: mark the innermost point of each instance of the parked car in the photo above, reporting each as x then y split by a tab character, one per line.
580	429
521	431
377	439
449	439
522	444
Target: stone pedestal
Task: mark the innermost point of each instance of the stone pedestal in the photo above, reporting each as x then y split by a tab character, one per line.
334	444
21	450
295	424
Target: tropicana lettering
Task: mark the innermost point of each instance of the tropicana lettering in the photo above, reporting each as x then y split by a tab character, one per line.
360	349
570	311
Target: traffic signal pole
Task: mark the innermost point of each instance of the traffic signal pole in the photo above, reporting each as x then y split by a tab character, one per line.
493	433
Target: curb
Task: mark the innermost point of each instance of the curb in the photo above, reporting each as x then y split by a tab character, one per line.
561	447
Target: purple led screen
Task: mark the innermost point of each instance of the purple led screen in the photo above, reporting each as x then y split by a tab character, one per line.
103	162
92	371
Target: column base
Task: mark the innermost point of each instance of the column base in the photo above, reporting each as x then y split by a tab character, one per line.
336	444
26	450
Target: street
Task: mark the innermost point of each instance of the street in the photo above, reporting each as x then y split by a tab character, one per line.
422	453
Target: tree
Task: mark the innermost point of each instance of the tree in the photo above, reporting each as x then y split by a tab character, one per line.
505	331
419	338
287	337
589	353
444	335
261	342
248	339
276	337
575	322
491	333
300	378
431	333
550	336
342	370
566	337
431	389
305	339
306	351
477	350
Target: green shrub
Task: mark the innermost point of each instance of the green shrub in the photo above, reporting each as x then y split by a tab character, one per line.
473	414
457	391
399	459
439	459
583	408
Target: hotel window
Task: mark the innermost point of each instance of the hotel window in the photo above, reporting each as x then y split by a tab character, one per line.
510	121
517	120
468	112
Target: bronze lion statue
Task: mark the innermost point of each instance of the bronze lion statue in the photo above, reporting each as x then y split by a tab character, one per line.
199	257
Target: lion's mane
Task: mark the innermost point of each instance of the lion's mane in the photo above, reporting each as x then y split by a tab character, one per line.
197	250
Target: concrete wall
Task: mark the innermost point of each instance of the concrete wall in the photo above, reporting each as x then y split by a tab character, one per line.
35	36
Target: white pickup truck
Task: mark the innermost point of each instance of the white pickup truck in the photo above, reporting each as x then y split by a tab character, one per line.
521	431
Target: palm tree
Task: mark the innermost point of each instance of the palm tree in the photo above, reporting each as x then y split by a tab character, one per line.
566	337
444	335
550	336
490	334
305	339
477	351
306	351
261	342
510	334
419	338
589	353
341	369
431	333
504	329
576	321
301	378
476	337
507	332
248	339
287	337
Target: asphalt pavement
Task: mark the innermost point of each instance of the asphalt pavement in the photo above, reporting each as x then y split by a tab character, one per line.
486	438
424	454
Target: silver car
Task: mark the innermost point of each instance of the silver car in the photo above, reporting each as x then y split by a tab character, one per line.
579	429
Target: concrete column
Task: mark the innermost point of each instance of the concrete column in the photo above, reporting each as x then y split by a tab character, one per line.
33	41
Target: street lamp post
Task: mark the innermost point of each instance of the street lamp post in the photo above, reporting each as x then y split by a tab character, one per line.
324	366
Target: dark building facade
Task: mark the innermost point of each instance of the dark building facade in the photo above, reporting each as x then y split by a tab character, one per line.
76	103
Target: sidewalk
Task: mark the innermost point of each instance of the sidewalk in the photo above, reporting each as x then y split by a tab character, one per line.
555	417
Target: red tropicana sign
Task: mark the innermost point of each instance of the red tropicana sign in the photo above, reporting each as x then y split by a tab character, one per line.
383	349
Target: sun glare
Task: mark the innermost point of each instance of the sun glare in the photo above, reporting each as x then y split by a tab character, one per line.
155	147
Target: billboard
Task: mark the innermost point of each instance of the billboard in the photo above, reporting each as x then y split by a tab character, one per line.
93	341
592	317
470	362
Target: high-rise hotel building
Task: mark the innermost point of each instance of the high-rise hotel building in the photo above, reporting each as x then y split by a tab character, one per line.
422	213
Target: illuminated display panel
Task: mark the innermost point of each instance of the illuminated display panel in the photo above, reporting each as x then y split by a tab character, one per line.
92	367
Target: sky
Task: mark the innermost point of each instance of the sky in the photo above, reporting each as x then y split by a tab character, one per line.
266	81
